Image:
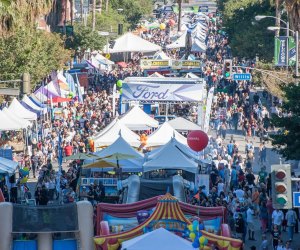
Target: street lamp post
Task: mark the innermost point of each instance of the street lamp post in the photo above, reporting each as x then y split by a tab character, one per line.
260	17
296	36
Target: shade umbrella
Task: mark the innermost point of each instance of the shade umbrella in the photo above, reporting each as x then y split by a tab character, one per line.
81	156
100	164
119	156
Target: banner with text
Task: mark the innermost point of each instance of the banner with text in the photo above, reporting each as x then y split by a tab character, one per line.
292	51
152	64
281	48
209	101
162	92
179	64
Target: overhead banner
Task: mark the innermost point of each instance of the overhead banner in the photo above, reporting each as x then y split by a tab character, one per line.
186	64
162	92
208	109
175	64
292	51
150	64
281	48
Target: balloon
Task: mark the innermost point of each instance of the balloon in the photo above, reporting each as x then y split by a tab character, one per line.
119	83
192	236
205	242
202	240
24	180
121	91
171	22
190	227
201	227
197	140
162	26
199	234
195	225
196	244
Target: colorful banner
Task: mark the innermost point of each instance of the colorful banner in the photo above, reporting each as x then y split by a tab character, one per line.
162	92
292	51
150	64
179	64
281	47
208	109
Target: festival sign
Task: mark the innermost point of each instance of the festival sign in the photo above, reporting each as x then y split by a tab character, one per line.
179	64
162	92
150	64
281	51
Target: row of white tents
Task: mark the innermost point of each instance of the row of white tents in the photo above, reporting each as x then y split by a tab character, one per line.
136	120
20	115
170	147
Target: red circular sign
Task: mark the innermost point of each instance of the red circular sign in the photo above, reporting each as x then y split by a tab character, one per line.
197	140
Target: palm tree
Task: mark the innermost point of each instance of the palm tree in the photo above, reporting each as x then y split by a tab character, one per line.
94	15
293	10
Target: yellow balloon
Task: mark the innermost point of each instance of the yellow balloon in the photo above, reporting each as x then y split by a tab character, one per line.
162	26
201	240
192	236
26	169
24	180
190	227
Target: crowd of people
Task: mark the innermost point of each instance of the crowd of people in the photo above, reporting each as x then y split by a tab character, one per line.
233	183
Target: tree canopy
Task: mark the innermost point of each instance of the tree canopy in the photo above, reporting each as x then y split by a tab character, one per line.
249	38
287	141
30	50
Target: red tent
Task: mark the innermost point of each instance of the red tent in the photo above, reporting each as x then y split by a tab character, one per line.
59	99
1	196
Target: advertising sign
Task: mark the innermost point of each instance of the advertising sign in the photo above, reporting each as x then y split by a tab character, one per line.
179	64
281	47
209	101
162	92
149	64
292	51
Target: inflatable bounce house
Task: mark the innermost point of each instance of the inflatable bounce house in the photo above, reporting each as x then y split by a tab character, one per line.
187	221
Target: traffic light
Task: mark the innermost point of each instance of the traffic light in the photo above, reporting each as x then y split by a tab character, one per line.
25	87
228	68
281	186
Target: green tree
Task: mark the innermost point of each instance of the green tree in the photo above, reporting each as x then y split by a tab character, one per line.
84	38
133	10
287	142
34	51
248	38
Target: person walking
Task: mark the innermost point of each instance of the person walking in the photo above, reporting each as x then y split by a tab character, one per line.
250	222
277	218
291	218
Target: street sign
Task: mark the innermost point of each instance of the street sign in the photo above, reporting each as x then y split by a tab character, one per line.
243	76
203	9
296	199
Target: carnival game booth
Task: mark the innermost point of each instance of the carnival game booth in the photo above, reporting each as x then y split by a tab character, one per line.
168	214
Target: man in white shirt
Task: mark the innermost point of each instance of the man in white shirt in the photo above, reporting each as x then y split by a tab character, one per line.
277	218
250	222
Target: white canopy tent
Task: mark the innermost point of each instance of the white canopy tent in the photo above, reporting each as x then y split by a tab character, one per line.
20	121
132	43
191	75
137	119
170	157
160	55
31	104
156	74
8	166
163	134
179	123
112	134
20	111
8	124
157	239
120	146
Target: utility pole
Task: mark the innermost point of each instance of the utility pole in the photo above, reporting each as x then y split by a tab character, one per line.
94	16
106	5
179	14
101	6
72	11
81	10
